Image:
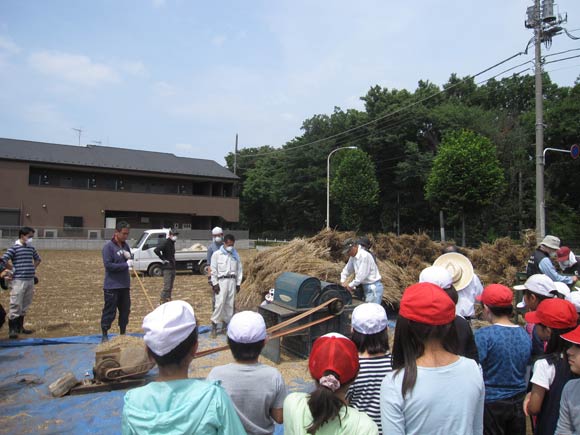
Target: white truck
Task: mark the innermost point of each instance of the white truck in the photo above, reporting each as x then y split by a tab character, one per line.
145	259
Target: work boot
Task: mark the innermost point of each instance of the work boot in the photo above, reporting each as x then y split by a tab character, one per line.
225	328
213	333
105	336
163	301
21	328
122	330
13	328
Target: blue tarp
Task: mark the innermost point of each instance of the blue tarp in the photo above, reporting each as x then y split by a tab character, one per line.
29	366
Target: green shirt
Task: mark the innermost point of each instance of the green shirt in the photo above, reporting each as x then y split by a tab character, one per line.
297	418
185	406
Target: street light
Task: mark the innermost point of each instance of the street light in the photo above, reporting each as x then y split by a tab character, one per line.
328	183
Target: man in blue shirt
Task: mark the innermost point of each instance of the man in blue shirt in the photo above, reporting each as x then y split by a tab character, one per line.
24	259
117	261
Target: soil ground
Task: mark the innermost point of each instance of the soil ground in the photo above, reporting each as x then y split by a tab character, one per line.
69	297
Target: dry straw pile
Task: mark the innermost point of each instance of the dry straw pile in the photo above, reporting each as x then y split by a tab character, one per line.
400	260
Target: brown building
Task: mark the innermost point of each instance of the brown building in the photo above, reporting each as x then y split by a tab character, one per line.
67	187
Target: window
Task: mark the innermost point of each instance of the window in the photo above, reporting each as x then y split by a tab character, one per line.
73	222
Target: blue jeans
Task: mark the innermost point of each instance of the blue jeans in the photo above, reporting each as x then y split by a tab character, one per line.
374	292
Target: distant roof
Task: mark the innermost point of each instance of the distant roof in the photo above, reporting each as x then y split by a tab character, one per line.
110	157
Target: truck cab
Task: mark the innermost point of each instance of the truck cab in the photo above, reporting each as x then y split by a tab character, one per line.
145	259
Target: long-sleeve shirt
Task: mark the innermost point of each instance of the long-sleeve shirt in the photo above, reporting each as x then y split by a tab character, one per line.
547	268
166	252
213	247
224	263
364	268
445	400
116	267
22	257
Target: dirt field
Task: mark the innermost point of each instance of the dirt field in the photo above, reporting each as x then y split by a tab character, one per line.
69	297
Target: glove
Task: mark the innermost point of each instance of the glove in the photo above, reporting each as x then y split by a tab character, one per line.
165	262
237	289
127	255
130	264
216	289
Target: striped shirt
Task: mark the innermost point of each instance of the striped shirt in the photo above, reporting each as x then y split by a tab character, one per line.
22	257
364	393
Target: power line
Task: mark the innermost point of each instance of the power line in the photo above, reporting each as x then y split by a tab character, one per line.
390	113
562	59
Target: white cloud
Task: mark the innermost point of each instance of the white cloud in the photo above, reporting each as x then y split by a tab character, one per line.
8	46
218	40
77	69
164	89
135	68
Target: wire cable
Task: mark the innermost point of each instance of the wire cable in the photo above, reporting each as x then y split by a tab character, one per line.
390	113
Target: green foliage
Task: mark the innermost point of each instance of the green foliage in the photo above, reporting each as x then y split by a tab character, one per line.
283	192
354	188
466	173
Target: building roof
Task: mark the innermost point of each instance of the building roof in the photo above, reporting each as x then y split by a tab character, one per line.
111	158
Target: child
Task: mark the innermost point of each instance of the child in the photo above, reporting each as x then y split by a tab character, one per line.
504	353
369	333
257	390
537	288
175	404
553	318
441	277
333	364
432	390
569	421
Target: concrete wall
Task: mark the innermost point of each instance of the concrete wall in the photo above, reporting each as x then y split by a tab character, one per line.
242	242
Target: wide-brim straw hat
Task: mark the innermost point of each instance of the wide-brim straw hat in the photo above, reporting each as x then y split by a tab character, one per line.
458	266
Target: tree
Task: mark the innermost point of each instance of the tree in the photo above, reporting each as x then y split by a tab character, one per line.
355	189
466	174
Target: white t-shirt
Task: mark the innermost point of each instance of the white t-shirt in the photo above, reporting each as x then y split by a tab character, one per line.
544	374
466	298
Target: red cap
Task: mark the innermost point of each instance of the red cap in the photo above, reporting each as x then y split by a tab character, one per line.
563	253
334	352
496	295
554	313
572	336
427	303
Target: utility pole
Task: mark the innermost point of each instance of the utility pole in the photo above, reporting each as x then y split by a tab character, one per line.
546	25
236	156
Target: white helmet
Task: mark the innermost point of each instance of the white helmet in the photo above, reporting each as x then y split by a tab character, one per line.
217	231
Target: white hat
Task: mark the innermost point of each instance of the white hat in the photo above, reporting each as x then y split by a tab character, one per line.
562	288
437	275
551	242
247	327
458	266
168	326
369	318
574	298
539	284
217	231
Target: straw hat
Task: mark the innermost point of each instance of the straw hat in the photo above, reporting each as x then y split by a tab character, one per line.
458	266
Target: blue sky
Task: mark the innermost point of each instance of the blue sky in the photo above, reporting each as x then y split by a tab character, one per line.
184	77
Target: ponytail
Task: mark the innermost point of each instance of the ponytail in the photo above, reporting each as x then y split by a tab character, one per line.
324	405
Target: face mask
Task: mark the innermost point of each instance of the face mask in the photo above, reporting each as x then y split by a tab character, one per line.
229	248
217	239
552	255
174	238
29	241
565	264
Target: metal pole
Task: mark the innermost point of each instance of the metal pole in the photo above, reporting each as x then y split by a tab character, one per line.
540	216
236	156
328	183
442	225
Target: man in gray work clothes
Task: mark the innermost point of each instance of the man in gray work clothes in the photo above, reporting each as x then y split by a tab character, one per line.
217	236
